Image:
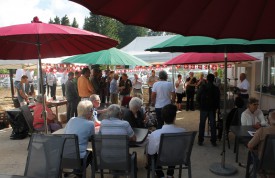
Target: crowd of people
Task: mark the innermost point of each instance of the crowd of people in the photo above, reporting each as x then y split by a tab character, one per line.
86	92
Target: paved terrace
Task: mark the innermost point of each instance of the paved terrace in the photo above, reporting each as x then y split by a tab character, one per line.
13	153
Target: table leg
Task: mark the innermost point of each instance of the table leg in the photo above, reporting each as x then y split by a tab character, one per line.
237	148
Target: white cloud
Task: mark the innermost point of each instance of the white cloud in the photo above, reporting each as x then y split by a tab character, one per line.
22	11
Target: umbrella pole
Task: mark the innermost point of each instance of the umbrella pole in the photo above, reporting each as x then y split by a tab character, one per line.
44	113
222	168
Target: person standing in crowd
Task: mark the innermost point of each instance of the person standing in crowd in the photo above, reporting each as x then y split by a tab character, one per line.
77	74
137	86
109	79
114	89
29	86
83	127
169	113
21	93
103	82
209	101
217	80
44	81
113	125
253	116
201	81
72	97
84	86
190	86
163	93
151	80
179	91
125	87
63	81
95	80
244	88
52	81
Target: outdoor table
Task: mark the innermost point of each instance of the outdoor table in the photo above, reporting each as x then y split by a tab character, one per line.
141	134
56	104
241	132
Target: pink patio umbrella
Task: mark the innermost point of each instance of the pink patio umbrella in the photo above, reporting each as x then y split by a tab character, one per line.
202	58
38	40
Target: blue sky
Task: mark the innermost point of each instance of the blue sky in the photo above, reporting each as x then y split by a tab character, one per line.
22	11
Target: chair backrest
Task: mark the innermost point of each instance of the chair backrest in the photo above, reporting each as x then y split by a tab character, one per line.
71	156
267	161
175	148
44	156
28	117
111	152
236	121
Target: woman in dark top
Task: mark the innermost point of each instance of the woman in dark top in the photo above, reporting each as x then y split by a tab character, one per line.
134	115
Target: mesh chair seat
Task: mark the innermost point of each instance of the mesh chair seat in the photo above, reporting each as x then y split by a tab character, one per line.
111	152
174	150
44	156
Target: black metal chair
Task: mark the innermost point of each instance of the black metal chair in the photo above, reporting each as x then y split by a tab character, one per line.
111	156
28	117
44	156
266	164
174	150
71	157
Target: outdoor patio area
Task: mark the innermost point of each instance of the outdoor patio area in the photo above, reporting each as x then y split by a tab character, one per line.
14	152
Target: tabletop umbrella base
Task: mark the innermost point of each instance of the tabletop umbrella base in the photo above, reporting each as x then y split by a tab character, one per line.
227	170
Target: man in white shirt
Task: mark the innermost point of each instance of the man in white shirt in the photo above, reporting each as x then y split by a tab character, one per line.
252	115
137	86
244	88
63	81
163	93
169	113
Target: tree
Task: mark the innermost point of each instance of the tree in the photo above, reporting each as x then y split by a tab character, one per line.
56	20
51	21
65	21
75	24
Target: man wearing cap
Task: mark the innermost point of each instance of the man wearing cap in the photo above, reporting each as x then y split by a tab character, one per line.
72	96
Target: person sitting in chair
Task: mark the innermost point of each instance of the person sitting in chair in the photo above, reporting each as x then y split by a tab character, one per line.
259	137
252	115
38	121
168	113
83	127
134	115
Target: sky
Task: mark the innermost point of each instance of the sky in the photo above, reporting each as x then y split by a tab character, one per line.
14	12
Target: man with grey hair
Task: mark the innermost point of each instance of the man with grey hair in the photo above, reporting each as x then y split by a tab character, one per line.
113	125
82	126
244	88
163	93
95	99
134	115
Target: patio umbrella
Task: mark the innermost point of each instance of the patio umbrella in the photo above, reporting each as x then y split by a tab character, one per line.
201	58
112	56
245	19
206	44
38	40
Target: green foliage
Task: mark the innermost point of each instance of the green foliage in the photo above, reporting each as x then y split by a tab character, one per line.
51	21
65	21
75	24
56	20
4	71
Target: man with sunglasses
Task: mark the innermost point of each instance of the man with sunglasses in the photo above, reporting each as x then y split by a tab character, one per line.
252	115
